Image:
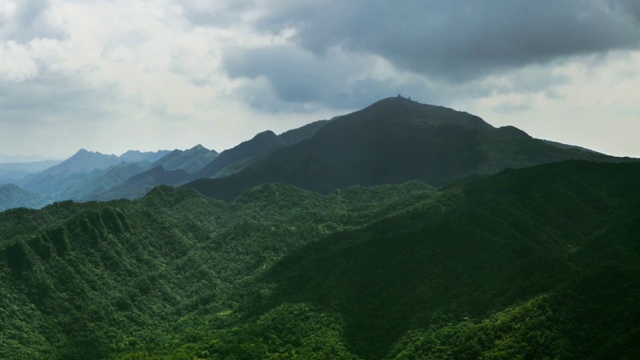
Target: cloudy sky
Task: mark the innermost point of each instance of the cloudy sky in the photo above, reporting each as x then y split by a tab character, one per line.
115	75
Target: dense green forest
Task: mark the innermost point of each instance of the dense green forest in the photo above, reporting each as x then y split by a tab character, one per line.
536	263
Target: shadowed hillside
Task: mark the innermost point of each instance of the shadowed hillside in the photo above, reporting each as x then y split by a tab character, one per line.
393	141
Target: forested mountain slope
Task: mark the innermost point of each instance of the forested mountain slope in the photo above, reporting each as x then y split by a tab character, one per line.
260	144
540	262
393	141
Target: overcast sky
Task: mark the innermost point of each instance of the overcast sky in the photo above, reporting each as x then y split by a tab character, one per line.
115	75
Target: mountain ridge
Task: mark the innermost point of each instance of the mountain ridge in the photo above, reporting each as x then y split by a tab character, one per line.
394	140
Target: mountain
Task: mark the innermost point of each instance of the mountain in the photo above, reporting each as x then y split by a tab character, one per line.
55	180
302	133
140	184
190	160
87	173
12	196
530	263
174	168
133	156
82	162
59	179
180	167
11	172
105	180
92	175
258	145
393	141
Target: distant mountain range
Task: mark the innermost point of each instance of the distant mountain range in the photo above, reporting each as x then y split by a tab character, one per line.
392	141
13	171
67	179
228	162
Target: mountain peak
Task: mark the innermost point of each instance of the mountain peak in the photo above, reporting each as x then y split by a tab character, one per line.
265	134
396	101
199	147
83	151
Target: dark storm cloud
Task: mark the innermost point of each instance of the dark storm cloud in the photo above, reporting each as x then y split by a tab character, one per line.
459	40
296	75
299	76
30	22
450	42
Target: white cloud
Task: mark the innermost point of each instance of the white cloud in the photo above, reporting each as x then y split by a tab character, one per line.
114	75
596	104
16	64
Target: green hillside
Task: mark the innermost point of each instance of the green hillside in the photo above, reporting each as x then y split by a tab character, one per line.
536	263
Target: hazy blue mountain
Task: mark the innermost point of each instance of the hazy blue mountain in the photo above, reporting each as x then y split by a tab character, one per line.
83	161
116	178
11	172
174	168
132	156
140	184
190	160
87	173
12	196
54	180
106	180
169	169
393	141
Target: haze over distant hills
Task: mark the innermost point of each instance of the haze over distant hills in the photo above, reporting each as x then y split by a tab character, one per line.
61	180
14	171
25	158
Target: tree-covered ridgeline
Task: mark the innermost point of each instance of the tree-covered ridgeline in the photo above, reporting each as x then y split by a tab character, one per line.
535	263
